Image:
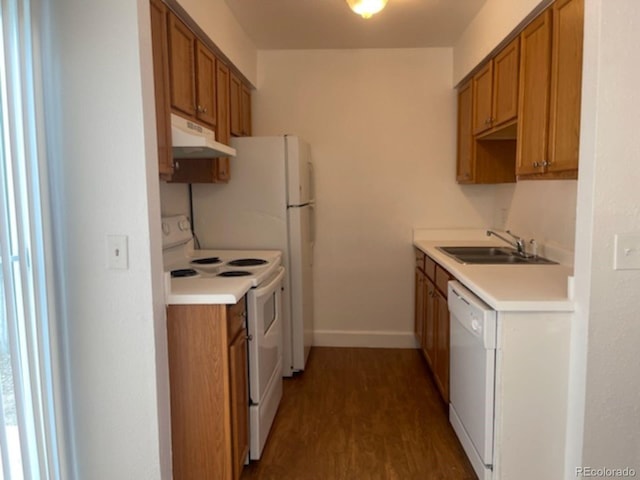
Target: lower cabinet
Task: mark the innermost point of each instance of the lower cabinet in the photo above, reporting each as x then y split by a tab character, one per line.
207	349
441	367
432	319
430	332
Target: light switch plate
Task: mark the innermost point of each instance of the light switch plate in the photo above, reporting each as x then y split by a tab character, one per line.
117	252
627	251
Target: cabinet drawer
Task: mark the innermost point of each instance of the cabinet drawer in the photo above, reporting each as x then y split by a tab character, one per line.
442	278
235	315
430	268
419	258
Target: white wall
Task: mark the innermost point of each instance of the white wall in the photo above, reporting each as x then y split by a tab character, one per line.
217	21
544	210
104	181
174	198
609	334
495	20
381	124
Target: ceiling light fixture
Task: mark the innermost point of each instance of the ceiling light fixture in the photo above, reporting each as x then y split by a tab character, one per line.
366	8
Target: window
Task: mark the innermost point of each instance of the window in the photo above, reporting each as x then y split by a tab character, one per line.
28	448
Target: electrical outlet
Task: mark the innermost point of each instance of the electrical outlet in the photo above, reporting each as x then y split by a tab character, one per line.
117	252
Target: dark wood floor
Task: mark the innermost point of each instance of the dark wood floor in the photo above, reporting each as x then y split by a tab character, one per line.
361	414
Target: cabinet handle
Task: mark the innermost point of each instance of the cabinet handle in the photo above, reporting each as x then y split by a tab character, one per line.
536	164
204	110
244	314
249	337
545	164
176	165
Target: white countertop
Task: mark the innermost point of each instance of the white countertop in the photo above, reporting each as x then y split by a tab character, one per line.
214	290
504	287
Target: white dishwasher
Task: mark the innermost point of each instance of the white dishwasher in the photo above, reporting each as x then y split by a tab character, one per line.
472	376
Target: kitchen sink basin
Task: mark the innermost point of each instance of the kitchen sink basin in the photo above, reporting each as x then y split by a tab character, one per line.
491	256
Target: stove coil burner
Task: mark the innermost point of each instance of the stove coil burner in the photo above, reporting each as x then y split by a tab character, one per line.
183	272
235	273
206	261
247	262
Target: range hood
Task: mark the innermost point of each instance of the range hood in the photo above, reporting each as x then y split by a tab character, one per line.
191	140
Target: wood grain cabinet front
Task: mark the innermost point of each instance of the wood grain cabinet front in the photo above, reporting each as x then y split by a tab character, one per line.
432	318
240	107
208	387
182	67
483	160
223	133
160	50
550	93
495	90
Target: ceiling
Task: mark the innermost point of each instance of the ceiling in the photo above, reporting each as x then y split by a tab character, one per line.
316	24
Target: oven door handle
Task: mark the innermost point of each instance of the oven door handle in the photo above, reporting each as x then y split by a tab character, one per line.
272	286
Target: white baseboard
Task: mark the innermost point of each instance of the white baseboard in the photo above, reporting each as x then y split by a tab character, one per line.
368	339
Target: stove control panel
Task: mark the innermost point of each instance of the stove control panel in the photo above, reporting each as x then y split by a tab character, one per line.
176	230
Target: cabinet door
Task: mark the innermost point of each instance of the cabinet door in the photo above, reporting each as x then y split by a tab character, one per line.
419	305
182	66
235	108
505	83
239	402
482	101
160	48
245	107
566	80
205	85
533	115
197	356
430	326
441	369
465	160
223	172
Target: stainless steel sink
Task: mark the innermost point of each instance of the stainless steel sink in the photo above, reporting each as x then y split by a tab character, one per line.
491	256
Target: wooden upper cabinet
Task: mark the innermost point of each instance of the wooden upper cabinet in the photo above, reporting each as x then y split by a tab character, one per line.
495	90
535	76
223	133
505	84
245	108
482	100
566	81
182	66
550	83
235	87
160	48
205	85
240	107
465	167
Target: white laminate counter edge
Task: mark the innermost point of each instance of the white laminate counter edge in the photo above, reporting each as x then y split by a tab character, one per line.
214	291
525	288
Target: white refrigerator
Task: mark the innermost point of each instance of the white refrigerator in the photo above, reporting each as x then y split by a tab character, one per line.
268	204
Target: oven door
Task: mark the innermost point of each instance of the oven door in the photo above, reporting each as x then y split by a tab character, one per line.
264	323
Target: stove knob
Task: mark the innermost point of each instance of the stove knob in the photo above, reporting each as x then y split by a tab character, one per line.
184	225
166	229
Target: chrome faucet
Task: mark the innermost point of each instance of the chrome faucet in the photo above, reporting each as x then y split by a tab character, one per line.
517	242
